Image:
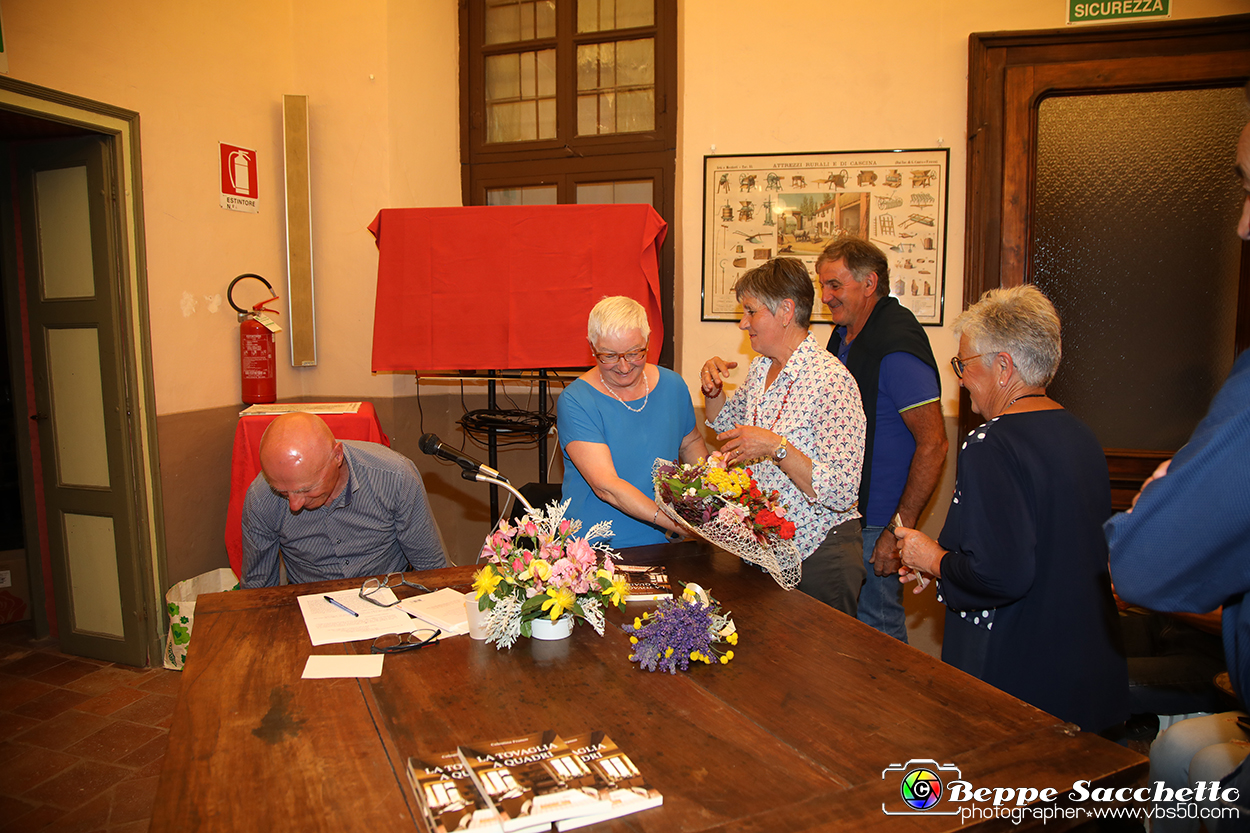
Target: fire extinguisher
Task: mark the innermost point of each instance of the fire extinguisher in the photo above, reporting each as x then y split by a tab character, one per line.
258	367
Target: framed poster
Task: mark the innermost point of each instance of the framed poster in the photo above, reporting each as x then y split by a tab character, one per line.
761	206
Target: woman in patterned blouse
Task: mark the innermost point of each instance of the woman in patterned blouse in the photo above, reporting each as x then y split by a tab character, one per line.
798	423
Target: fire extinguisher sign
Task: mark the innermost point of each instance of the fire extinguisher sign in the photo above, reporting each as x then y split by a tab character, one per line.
238	178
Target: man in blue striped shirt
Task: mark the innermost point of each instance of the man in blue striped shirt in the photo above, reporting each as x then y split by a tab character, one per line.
334	509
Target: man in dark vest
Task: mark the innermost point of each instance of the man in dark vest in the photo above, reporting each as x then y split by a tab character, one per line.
883	345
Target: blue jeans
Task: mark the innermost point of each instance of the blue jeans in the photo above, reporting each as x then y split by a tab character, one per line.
881	597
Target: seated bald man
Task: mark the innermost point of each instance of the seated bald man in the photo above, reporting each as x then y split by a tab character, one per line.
335	509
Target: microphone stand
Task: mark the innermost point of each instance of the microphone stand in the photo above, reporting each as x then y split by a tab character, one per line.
485	478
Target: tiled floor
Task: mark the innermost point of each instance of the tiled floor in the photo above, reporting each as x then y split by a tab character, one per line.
81	741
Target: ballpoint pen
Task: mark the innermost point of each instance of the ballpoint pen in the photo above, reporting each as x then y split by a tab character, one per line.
340	605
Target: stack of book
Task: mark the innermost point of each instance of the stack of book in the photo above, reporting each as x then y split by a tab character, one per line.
529	783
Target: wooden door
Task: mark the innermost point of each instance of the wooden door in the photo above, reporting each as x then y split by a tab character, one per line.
1011	76
70	249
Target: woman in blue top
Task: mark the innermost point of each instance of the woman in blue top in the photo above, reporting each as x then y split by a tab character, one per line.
615	420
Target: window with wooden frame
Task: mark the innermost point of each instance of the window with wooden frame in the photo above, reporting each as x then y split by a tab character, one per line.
572	102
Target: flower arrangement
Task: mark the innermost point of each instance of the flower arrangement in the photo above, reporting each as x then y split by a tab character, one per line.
710	491
682	631
538	568
726	506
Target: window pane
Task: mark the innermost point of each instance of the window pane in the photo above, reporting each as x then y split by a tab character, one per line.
638	191
635	111
520	96
519	20
545	18
587	115
503	21
546	118
635	62
503	77
512	122
623	75
546	73
605	15
1135	192
529	88
526	195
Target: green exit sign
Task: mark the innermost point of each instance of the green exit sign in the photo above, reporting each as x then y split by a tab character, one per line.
1098	11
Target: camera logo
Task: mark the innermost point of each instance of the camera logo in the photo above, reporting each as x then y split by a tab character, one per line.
921	787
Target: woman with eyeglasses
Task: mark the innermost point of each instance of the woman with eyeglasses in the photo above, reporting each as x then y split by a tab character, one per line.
615	420
798	423
1021	562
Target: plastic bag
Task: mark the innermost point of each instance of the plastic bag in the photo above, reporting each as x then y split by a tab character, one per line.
180	602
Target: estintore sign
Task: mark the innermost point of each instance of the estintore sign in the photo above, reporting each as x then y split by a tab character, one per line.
238	178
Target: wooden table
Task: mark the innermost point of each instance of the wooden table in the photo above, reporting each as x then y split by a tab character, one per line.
792	735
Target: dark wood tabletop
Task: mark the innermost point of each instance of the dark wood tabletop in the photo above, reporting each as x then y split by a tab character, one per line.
795	734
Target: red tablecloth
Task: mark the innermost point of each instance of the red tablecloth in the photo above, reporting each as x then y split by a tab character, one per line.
245	463
507	287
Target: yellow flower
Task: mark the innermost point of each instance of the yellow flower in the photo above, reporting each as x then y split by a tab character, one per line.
633	640
732	639
668	652
538	568
559	599
637	623
615	593
729	655
724	660
694	654
485	581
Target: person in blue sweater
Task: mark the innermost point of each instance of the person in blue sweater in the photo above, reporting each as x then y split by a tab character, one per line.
1185	546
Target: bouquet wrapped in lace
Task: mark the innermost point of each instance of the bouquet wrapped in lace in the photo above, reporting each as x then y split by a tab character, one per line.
725	506
682	631
537	567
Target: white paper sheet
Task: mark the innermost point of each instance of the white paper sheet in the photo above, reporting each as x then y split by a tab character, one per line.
444	609
328	666
328	624
302	407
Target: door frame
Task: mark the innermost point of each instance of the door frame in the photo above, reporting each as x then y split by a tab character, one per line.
1009	74
121	129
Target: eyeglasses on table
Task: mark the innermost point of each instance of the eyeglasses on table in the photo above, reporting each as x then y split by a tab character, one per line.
373	585
397	643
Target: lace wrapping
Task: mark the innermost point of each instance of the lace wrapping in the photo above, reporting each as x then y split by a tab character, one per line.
779	557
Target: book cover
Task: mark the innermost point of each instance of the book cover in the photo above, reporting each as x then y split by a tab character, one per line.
617	780
645	583
531	779
446	795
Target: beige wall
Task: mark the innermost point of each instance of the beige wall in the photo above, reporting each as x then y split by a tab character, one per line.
833	76
381	80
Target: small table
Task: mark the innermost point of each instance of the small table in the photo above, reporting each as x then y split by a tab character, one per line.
245	462
792	735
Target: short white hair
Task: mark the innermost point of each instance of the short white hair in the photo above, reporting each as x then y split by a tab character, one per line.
1019	321
615	315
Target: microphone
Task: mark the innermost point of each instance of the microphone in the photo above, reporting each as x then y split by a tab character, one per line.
430	444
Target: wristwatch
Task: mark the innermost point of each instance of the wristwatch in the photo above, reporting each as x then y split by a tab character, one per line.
780	453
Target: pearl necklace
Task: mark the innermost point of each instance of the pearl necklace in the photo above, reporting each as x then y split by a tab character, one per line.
645	387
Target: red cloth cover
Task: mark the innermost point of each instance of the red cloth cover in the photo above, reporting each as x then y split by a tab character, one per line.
245	463
507	287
